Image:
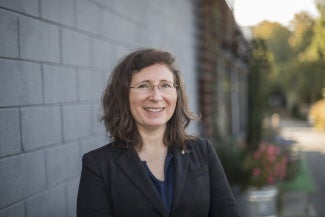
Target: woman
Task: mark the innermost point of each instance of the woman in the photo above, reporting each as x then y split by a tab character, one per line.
152	167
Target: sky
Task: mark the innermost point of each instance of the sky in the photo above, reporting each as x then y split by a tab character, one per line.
252	12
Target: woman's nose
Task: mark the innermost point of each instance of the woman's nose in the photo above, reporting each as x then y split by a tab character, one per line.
155	94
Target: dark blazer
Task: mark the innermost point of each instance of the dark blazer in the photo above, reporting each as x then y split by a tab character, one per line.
114	183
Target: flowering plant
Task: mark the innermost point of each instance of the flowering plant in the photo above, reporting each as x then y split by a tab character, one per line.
266	165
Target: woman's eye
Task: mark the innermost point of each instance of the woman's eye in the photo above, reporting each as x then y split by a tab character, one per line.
143	86
166	85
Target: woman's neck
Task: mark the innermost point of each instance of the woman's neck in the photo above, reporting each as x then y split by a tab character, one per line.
153	151
153	140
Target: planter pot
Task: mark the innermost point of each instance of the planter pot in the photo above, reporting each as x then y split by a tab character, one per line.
260	202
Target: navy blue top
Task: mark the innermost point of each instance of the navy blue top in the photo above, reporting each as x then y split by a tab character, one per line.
164	188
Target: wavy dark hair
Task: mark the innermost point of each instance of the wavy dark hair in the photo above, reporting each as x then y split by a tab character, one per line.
117	116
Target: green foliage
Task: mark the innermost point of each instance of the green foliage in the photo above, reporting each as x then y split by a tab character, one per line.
316	50
304	79
301	36
231	156
276	38
259	69
298	57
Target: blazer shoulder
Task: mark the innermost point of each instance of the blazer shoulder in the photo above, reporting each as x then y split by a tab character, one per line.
200	143
202	146
106	152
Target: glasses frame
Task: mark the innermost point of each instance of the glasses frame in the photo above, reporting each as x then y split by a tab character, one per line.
153	86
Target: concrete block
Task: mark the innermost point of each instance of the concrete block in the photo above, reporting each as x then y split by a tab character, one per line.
20	83
21	176
123	7
91	84
75	48
136	11
62	162
60	84
76	121
103	54
39	40
50	203
133	10
61	11
41	126
9	34
119	28
124	29
106	3
9	132
16	210
30	7
121	51
88	16
72	192
154	20
109	22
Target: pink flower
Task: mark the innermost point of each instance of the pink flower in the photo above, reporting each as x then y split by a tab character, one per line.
256	155
256	172
270	179
271	158
270	150
277	150
267	164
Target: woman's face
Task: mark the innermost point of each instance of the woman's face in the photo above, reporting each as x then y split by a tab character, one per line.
152	105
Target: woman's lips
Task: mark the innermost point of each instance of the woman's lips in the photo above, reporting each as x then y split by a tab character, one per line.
151	109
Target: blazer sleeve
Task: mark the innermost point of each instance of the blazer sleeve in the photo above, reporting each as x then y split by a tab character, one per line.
92	200
222	203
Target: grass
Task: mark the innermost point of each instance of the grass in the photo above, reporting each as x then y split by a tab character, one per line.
302	182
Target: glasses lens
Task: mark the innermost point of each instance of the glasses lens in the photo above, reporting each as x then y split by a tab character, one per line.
163	87
166	87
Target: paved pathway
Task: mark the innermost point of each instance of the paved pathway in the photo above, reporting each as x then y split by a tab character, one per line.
312	143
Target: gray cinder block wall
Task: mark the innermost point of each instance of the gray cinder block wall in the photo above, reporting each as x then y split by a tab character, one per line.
55	58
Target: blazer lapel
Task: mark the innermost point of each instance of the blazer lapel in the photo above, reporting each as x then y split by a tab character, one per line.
132	166
181	161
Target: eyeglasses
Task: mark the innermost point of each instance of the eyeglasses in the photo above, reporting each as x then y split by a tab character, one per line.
164	87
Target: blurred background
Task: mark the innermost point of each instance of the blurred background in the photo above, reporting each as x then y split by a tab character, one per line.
250	82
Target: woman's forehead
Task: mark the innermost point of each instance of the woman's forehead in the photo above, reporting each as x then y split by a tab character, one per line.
154	73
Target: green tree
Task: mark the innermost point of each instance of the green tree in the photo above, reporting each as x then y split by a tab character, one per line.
316	49
259	68
302	31
276	38
298	56
311	54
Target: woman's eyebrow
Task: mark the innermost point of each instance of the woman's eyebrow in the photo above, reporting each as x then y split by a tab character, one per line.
148	81
145	81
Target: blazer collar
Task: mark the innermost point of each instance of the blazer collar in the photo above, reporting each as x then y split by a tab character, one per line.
131	164
181	161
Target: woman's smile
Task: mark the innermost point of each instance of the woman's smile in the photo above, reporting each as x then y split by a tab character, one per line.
155	110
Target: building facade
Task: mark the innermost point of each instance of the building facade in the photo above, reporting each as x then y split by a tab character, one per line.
223	69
